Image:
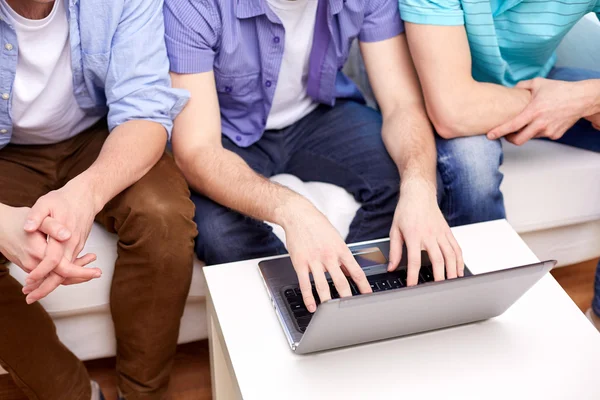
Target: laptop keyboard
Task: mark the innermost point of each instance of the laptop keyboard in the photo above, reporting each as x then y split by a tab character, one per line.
379	283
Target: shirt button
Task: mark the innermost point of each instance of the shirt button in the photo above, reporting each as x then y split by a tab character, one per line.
3	131
8	46
5	96
238	138
268	83
228	89
276	39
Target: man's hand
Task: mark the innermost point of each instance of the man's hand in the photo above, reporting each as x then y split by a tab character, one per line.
419	223
28	250
554	108
315	248
74	207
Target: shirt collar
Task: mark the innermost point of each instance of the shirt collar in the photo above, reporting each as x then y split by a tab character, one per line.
254	8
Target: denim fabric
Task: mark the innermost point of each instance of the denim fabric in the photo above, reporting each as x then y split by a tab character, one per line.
340	145
583	136
470	179
119	60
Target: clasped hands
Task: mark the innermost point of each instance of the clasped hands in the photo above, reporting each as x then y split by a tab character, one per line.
555	106
45	242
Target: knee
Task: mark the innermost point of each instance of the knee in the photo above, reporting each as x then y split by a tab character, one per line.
471	165
471	178
161	222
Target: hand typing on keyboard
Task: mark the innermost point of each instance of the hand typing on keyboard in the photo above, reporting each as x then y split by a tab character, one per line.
378	283
419	223
315	247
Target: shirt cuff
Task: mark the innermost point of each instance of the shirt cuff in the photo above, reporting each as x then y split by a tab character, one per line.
445	19
188	60
383	32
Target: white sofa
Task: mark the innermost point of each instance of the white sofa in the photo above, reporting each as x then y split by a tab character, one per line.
552	195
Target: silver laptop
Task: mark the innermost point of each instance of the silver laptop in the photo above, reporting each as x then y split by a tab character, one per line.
393	309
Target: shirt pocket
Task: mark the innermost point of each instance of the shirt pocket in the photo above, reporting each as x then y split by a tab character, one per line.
238	94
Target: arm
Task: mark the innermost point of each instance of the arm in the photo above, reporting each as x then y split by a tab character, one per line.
457	104
555	107
141	108
215	171
409	138
223	176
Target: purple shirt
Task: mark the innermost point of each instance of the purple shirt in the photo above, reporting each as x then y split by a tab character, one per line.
242	42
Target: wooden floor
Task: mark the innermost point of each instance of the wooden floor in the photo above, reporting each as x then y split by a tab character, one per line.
191	374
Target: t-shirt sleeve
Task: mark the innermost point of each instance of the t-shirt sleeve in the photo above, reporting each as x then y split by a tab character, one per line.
382	21
432	12
192	31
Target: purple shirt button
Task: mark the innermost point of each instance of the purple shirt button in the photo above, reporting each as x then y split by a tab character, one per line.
228	89
238	138
268	83
276	39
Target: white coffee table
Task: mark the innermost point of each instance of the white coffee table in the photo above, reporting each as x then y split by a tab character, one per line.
541	348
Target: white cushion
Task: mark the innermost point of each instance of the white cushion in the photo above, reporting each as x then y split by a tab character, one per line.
548	185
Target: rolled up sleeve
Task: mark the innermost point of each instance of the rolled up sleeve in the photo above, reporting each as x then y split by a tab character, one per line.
138	86
382	21
192	31
432	12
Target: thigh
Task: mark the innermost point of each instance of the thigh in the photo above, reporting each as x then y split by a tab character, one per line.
160	200
263	157
582	135
224	235
79	153
343	146
26	174
573	74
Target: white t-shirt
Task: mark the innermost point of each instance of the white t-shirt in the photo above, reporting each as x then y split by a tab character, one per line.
44	108
291	103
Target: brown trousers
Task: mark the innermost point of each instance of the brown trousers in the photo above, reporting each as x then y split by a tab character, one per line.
154	222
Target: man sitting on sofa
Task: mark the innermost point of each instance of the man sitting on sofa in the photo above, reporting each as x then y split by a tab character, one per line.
487	67
273	68
73	72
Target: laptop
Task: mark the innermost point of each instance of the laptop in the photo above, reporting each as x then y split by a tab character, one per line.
393	309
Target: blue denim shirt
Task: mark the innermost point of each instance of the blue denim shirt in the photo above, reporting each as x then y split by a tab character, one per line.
242	42
119	59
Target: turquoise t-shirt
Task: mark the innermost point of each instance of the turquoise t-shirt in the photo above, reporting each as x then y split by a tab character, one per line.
510	40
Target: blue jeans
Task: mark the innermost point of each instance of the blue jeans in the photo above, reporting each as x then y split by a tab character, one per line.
341	145
471	179
583	136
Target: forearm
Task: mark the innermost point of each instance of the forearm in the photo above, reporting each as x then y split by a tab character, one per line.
225	178
130	151
4	210
409	139
477	108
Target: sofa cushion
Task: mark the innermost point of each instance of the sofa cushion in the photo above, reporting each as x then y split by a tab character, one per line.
547	185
